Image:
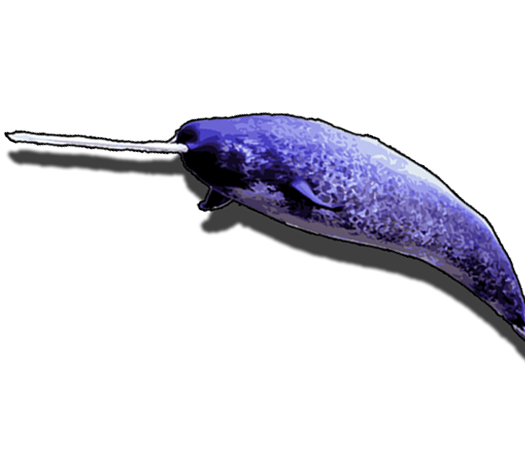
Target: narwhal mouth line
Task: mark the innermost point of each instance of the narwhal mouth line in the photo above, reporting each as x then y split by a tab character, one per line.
300	171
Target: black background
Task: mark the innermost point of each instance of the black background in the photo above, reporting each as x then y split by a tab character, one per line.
73	208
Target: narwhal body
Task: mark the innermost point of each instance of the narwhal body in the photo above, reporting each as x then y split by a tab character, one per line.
325	180
328	181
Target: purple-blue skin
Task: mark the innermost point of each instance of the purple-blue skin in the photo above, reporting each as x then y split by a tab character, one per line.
322	179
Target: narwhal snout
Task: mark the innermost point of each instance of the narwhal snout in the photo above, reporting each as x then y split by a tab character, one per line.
198	134
187	135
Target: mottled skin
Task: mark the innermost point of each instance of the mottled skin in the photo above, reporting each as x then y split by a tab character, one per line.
373	195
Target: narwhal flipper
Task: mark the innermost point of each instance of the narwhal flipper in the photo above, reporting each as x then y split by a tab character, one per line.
214	200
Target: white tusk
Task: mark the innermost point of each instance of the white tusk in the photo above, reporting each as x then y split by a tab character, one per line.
150	147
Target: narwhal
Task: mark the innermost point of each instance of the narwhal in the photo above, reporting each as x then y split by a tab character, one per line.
325	180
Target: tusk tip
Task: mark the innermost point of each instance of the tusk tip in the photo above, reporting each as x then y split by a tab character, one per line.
18	137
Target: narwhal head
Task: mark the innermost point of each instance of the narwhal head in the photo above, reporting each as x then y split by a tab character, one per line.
260	160
213	155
